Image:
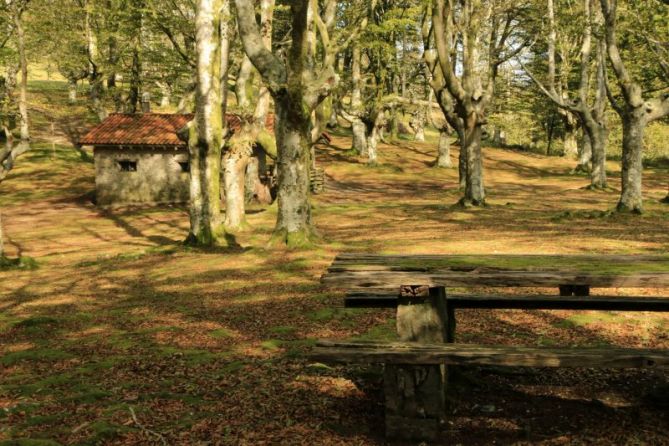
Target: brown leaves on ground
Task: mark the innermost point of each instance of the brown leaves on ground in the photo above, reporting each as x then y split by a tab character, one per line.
206	346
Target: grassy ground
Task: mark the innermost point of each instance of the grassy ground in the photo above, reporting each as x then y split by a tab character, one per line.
124	336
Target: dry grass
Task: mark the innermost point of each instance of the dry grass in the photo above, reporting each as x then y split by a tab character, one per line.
206	346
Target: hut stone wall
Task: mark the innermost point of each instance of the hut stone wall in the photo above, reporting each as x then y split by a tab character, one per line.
133	175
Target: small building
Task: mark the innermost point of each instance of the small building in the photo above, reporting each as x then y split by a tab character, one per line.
140	159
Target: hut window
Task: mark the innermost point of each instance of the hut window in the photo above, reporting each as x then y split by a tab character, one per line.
185	166
128	166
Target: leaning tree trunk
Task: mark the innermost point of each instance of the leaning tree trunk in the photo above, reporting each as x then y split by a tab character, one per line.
474	190
206	131
444	150
631	199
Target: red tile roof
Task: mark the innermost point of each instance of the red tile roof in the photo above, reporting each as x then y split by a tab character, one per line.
149	129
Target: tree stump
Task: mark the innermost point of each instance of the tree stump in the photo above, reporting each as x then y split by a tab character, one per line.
416	395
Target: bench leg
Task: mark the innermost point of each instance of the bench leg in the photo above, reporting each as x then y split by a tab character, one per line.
415	401
416	395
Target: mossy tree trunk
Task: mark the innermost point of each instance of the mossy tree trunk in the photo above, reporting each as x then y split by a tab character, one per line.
636	113
207	130
298	87
474	189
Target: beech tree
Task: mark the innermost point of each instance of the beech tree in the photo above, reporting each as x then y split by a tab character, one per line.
635	110
472	40
591	111
297	86
207	131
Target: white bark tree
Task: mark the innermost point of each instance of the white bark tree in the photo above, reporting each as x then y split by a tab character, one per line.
207	130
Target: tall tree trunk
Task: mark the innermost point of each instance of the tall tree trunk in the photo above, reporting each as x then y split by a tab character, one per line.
474	190
359	130
631	198
635	112
462	159
134	97
266	25
293	225
584	154
24	125
135	80
234	168
374	129
206	132
71	91
239	147
598	136
94	77
570	144
444	149
254	187
358	127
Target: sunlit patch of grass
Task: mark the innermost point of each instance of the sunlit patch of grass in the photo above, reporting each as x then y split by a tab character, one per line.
221	333
42	354
105	431
195	335
271	345
383	332
283	330
25	263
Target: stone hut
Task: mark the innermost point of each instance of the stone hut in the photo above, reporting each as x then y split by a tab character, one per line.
139	158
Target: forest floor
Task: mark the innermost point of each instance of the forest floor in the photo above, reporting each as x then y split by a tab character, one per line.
122	335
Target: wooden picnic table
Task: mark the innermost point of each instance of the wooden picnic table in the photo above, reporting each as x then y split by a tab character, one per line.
414	373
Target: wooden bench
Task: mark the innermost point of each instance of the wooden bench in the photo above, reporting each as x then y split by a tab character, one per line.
415	375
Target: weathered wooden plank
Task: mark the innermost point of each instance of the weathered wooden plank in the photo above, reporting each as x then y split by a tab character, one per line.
604	258
359	280
525	302
469	354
